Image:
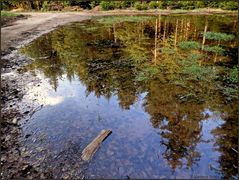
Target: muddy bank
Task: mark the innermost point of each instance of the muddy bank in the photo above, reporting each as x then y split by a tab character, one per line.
9	20
13	162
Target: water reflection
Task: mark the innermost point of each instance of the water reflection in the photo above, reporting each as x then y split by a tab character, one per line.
136	76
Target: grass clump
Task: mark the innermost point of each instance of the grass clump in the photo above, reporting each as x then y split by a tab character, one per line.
189	45
9	14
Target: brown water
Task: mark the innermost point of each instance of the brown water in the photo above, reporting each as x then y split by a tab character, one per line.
168	98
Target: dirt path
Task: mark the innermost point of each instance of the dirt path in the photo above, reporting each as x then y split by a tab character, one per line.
36	24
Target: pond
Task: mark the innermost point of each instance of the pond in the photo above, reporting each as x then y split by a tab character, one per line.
166	86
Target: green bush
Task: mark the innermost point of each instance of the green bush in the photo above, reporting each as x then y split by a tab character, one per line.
212	4
233	75
229	5
93	4
199	4
139	6
214	49
219	36
106	5
186	5
155	5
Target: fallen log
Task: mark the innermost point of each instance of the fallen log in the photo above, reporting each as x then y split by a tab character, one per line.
91	148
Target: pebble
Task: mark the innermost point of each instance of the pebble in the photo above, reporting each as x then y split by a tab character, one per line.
14	121
28	135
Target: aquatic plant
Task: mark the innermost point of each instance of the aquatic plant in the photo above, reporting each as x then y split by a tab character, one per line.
189	45
218	36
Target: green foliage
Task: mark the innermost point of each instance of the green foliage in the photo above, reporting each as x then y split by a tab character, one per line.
212	4
141	6
155	5
45	6
218	36
189	45
214	49
187	5
93	4
9	14
229	5
107	5
230	93
233	75
199	4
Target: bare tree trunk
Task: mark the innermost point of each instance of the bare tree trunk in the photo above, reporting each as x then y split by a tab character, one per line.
114	33
187	29
181	31
164	32
39	4
176	34
204	34
32	4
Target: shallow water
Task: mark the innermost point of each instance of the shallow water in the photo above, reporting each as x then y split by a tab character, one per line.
132	76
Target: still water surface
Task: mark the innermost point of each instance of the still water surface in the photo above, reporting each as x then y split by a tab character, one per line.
152	80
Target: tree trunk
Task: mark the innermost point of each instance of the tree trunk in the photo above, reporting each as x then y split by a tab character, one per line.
176	34
32	4
204	34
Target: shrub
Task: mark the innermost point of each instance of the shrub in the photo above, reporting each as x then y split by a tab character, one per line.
212	4
189	45
187	5
106	5
139	6
214	49
229	5
233	75
218	36
199	4
155	5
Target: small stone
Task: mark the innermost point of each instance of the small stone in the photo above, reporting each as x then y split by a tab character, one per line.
14	121
28	135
